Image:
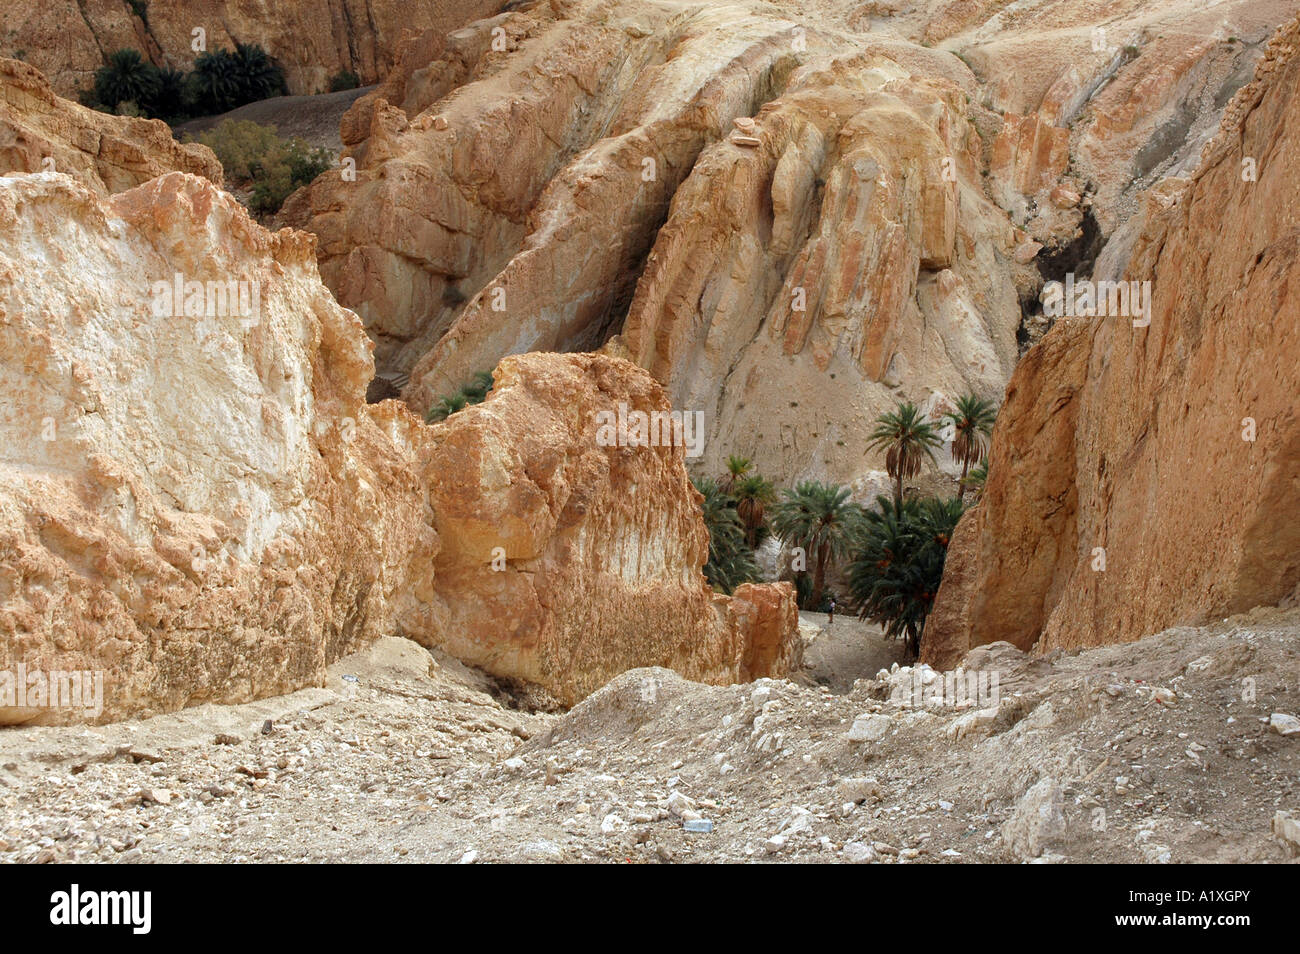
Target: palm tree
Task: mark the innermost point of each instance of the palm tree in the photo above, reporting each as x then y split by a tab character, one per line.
126	77
169	100
972	424
907	439
730	561
215	83
259	77
753	493
737	467
478	387
901	551
820	519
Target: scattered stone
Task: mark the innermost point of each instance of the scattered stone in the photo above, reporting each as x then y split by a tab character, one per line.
1286	829
857	790
1037	822
1026	252
869	728
679	804
1064	198
1284	724
971	722
859	853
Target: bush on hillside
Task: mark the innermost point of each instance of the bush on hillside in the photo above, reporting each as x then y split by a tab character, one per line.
253	155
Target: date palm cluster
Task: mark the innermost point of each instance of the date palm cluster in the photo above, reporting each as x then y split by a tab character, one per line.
890	553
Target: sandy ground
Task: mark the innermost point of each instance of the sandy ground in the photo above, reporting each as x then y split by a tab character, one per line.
1144	752
847	650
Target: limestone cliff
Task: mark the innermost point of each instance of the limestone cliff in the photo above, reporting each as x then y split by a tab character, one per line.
197	503
1143	477
194	498
794	218
42	132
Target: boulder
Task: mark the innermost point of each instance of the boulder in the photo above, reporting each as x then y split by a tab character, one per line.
568	557
1037	823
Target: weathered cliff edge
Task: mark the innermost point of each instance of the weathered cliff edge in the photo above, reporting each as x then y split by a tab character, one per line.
42	132
312	40
1171	452
196	501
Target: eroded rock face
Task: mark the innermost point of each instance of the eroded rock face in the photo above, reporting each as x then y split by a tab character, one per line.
504	198
793	221
1171	452
799	283
198	505
505	201
311	39
41	132
567	559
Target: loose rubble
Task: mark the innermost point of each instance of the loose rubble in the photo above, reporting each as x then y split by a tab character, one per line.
406	757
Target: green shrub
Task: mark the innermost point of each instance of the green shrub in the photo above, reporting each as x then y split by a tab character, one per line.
344	79
473	393
253	155
241	146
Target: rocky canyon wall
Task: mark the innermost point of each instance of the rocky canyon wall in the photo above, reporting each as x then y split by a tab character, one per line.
1143	477
42	132
794	221
194	500
197	504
